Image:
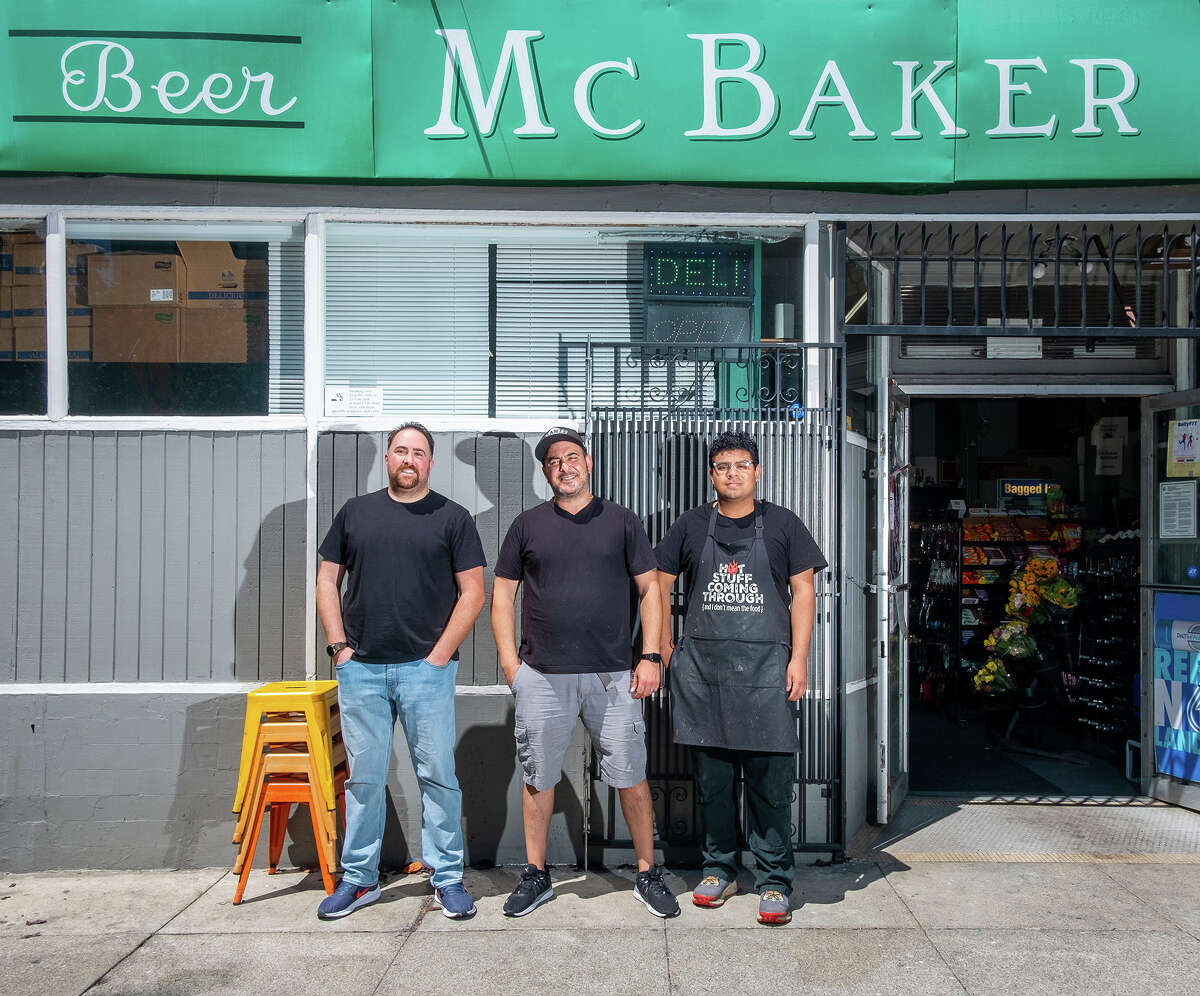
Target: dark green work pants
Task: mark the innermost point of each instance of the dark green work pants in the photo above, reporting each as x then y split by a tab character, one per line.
769	784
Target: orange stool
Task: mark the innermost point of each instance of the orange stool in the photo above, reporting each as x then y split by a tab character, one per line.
285	793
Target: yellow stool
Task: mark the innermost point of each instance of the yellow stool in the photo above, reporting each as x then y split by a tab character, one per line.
316	700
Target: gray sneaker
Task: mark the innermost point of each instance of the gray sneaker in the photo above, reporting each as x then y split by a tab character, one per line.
774	907
713	891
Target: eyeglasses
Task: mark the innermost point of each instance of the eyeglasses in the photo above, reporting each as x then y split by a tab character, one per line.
741	466
570	460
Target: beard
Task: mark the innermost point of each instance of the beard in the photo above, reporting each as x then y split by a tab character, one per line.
405	479
570	489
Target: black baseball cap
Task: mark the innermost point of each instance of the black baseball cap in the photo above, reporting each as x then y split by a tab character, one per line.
559	434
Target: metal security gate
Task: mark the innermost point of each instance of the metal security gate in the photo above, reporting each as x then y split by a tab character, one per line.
652	410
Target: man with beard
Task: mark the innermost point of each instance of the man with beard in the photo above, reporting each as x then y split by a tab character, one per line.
579	557
415	568
740	665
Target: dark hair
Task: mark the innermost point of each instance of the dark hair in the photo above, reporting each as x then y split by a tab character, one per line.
412	425
733	441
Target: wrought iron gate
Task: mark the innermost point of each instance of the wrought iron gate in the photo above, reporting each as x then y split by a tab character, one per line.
652	410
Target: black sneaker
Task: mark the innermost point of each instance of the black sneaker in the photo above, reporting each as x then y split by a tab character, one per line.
533	890
653	892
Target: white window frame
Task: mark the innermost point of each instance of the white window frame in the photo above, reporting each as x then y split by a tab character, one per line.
510	226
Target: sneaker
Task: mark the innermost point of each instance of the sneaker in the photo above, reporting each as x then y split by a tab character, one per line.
346	898
455	901
713	891
533	890
774	907
654	894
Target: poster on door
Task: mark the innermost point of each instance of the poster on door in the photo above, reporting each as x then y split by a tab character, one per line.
1177	685
1183	448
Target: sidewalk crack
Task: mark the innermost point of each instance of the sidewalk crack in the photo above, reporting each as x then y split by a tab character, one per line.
407	935
924	931
154	933
1149	905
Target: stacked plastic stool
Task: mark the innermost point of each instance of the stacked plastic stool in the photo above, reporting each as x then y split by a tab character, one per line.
292	753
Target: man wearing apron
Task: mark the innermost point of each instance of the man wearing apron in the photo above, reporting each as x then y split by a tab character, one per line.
740	667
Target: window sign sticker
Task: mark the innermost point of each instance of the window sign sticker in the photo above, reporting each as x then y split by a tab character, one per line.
1177	510
1177	685
1183	448
344	400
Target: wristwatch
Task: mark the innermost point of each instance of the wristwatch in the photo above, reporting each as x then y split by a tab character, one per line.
652	658
334	649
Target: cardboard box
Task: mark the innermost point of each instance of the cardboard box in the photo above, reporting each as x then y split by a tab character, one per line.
216	278
29	308
224	335
134	280
136	335
6	260
30	343
6	344
29	262
6	321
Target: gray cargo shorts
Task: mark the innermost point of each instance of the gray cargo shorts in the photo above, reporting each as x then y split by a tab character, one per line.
548	706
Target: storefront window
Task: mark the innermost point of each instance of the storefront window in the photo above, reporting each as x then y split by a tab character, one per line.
497	322
209	322
406	326
22	321
470	323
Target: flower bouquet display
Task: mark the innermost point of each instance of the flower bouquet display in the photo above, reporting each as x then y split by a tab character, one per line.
1036	592
993	679
1011	639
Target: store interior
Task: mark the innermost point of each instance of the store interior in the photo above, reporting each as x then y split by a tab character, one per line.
1023	613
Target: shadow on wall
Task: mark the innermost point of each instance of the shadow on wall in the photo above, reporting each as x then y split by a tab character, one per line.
493	789
200	819
332	480
269	607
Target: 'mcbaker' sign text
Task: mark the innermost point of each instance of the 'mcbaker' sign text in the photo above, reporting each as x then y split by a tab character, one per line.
1104	84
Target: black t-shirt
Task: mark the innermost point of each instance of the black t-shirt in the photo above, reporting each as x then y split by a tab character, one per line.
577	606
400	560
791	549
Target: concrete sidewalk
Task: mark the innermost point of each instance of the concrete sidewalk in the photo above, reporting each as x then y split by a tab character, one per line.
868	926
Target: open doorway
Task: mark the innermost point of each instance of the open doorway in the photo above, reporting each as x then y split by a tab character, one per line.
1024	668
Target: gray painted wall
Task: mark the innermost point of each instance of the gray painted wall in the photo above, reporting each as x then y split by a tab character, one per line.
103	780
180	556
493	475
152	556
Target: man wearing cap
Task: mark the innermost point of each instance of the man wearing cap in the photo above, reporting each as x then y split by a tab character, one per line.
414	565
580	558
739	667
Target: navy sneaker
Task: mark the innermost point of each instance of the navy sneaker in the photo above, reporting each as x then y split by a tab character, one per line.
346	898
455	901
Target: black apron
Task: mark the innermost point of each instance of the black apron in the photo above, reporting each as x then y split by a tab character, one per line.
729	671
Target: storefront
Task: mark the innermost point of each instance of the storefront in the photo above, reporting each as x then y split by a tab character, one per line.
233	257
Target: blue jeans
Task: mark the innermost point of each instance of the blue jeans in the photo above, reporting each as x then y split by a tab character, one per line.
371	697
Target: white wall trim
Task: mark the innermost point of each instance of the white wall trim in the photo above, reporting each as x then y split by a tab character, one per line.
180	688
275	423
145	423
55	249
132	688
